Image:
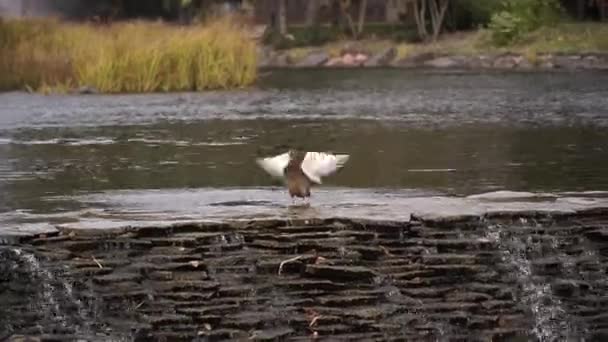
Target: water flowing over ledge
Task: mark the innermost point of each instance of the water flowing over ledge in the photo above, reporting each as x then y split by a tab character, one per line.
158	208
500	266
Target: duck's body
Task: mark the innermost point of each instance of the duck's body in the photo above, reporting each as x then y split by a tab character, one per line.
298	183
301	170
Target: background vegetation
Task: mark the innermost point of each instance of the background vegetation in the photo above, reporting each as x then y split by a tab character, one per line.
191	49
125	57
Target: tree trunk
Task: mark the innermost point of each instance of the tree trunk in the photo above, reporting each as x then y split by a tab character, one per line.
438	15
344	8
362	12
420	16
580	9
312	12
282	9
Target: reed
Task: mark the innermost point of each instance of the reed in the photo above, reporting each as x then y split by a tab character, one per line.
125	57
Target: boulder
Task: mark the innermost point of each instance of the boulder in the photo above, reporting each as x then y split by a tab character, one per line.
446	62
361	58
505	62
416	59
524	63
349	59
481	61
334	62
384	57
314	59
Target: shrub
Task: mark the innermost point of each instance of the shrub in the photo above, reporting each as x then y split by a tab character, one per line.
519	17
471	14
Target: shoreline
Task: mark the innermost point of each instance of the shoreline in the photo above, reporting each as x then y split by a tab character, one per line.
481	63
508	61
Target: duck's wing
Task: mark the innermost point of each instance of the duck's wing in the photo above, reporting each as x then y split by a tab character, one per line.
319	164
274	165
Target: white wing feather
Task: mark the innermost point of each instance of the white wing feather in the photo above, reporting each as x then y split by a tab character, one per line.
274	165
319	164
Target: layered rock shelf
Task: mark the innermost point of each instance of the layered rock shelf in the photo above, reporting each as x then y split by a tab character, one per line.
501	278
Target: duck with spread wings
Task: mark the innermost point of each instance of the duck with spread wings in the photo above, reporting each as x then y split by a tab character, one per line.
300	170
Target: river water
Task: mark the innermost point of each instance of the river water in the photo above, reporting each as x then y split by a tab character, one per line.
409	132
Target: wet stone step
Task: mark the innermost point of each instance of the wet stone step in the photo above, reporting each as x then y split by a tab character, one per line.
305	229
271	334
307	284
189	285
599	235
341	273
345	300
448	245
117	278
451	258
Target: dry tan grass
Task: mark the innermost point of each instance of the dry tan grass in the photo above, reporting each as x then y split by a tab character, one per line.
125	57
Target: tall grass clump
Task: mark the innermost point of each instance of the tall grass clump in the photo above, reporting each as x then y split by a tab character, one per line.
125	57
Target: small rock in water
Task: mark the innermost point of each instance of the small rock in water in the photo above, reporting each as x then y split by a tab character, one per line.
84	90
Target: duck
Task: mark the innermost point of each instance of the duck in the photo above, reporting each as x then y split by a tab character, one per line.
301	170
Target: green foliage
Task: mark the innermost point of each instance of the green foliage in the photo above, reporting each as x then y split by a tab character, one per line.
471	14
302	36
520	17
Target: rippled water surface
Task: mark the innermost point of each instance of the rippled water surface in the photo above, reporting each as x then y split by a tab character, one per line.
418	132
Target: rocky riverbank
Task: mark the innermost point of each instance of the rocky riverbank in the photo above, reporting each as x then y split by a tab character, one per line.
536	276
389	57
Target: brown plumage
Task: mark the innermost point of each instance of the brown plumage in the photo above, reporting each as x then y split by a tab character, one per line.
298	183
300	170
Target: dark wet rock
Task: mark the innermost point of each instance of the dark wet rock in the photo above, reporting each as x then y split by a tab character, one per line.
382	58
547	266
468	297
307	284
345	300
445	219
192	285
341	273
570	288
116	277
599	234
167	320
314	59
13	239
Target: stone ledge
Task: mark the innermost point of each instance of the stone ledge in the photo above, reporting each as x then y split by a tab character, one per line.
409	279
